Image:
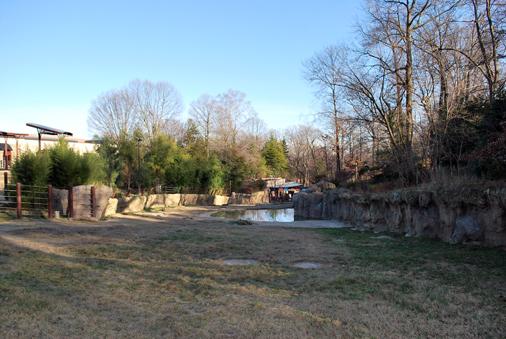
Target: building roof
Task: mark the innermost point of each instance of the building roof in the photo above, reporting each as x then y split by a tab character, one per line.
2	145
41	129
291	184
11	134
46	137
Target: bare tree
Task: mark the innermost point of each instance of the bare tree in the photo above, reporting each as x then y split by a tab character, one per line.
232	111
255	127
412	80
152	107
306	146
203	112
486	15
156	104
113	114
323	72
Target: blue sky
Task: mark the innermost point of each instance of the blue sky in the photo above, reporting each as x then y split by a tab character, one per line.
57	56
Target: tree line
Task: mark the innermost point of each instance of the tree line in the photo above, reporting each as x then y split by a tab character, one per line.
223	147
421	92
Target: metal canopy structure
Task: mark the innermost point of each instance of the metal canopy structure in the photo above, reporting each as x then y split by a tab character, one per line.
7	149
4	147
41	129
11	134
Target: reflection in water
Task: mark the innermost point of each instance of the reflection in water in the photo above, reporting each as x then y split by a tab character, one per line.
275	215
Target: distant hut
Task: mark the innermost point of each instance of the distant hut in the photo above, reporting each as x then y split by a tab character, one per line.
284	192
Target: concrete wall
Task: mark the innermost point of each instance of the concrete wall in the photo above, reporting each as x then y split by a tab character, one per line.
463	215
31	142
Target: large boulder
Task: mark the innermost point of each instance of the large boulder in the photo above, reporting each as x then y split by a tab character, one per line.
112	207
255	198
466	228
316	206
155	201
220	200
82	201
325	185
172	200
102	196
196	199
132	204
60	200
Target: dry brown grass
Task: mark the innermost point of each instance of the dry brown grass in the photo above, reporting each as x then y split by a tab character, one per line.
164	277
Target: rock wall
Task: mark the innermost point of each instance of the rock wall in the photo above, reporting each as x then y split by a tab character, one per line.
463	215
132	204
82	201
112	207
107	206
261	197
60	200
135	204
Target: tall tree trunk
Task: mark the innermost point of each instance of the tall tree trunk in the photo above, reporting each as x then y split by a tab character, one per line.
409	83
336	132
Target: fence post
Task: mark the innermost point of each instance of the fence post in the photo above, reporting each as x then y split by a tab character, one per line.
18	200
70	208
92	201
49	201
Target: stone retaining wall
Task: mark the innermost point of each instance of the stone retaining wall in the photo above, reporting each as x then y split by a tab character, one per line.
107	206
136	204
464	215
261	197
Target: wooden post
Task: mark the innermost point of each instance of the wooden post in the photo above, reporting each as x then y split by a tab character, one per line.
92	201
18	200
49	201
70	208
6	180
6	159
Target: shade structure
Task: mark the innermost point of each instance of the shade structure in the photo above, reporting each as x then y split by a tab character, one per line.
41	129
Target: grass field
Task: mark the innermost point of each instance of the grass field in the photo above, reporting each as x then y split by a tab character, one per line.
164	277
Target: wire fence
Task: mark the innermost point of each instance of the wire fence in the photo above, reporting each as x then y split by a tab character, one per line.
170	189
30	200
24	199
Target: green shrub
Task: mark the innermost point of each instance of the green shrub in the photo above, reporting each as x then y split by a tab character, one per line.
66	168
59	166
69	168
93	169
32	168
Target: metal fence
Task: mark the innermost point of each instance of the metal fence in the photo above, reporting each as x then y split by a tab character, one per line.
168	189
25	200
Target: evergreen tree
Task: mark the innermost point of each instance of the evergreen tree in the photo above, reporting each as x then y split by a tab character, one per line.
275	157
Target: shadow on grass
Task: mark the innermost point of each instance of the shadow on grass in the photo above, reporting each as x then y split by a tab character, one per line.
459	265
